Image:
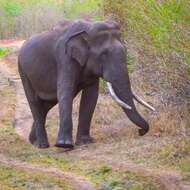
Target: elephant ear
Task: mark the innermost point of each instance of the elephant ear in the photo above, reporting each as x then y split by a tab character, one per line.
77	48
77	42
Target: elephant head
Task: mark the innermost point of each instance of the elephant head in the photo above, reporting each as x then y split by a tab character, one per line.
99	49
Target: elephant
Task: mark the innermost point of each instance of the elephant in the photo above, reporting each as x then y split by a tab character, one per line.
57	64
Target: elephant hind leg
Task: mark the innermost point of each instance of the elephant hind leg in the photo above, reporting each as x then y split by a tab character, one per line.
38	135
39	109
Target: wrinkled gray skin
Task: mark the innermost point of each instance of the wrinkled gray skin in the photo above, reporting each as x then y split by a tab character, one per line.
56	65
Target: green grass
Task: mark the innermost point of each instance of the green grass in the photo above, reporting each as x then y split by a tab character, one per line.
101	174
102	86
18	179
164	25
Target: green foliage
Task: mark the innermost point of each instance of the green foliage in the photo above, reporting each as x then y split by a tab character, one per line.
161	26
102	85
86	8
12	9
4	51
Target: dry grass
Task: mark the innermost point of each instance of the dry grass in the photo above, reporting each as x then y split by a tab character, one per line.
30	21
36	19
172	121
7	102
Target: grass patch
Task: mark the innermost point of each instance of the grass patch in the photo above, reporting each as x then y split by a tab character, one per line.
176	156
102	175
184	165
17	179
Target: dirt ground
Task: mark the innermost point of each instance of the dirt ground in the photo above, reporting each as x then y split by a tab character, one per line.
119	160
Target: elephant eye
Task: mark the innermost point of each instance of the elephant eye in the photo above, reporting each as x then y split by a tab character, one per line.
104	55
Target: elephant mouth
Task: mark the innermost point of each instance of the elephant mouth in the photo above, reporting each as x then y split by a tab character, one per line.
125	105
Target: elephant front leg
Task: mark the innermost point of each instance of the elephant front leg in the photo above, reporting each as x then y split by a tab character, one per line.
87	107
64	138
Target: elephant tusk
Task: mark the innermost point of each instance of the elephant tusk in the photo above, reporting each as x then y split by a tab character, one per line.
143	102
115	97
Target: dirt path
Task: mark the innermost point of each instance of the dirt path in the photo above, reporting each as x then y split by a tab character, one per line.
23	118
76	181
168	180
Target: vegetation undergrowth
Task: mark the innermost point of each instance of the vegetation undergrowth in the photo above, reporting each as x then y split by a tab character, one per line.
20	19
18	179
4	51
157	26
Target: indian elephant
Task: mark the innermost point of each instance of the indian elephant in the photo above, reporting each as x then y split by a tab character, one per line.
71	57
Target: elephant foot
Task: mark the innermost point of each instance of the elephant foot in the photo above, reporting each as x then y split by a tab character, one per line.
42	143
84	140
32	136
142	132
39	143
65	143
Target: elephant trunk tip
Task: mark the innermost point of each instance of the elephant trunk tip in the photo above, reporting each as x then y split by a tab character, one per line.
144	130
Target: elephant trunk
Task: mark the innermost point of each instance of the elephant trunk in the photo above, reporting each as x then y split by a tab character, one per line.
121	92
